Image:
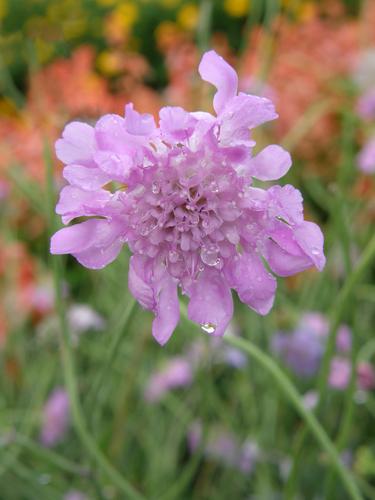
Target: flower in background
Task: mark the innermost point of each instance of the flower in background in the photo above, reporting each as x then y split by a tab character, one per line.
56	418
340	372
187	208
237	8
177	372
75	495
82	318
366	157
300	350
224	448
366	105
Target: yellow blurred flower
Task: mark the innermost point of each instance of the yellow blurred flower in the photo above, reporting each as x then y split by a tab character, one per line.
3	8
237	8
126	14
187	16
166	33
108	63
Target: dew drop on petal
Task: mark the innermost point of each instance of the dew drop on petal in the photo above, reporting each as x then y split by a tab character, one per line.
208	328
209	255
155	188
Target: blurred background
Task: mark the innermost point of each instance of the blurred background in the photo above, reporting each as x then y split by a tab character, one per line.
194	419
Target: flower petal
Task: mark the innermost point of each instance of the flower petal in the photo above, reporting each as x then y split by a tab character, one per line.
211	302
94	243
77	144
86	178
167	310
76	202
140	281
214	69
255	286
243	113
270	164
137	123
176	123
310	238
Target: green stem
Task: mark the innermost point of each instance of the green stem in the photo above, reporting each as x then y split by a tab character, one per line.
117	336
68	364
204	25
309	418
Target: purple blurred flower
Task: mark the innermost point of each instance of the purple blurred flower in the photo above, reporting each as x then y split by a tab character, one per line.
315	323
344	339
340	372
301	350
366	105
177	372
366	157
75	495
189	212
365	376
56	418
225	448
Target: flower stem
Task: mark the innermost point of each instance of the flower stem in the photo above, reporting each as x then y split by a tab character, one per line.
309	418
68	362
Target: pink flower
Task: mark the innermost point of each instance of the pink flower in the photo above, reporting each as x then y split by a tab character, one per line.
178	372
56	418
366	157
340	374
189	212
225	448
365	376
366	105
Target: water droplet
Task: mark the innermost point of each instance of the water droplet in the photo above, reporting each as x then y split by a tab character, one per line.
194	219
209	328
155	188
149	226
209	255
214	187
315	251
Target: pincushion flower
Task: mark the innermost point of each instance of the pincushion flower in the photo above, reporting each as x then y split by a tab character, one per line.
181	196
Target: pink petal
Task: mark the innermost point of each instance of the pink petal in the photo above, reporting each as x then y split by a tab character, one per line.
255	286
270	164
75	202
94	243
86	178
167	310
77	144
211	302
137	123
176	123
139	281
214	69
310	238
